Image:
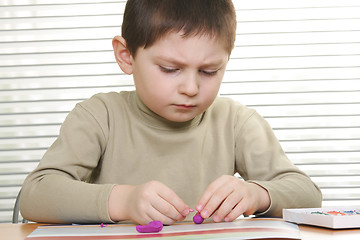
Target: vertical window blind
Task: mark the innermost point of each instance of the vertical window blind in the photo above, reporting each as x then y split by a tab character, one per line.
296	62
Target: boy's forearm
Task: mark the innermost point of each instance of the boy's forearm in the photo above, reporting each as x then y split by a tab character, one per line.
291	191
118	199
263	198
54	198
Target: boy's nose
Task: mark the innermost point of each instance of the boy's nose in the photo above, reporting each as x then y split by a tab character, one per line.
189	85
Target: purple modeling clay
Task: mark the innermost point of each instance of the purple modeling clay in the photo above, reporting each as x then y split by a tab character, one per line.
152	227
197	218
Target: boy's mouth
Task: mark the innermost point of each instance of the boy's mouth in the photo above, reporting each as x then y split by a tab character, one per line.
184	106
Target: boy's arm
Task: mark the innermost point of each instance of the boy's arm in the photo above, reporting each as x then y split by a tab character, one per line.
59	199
271	183
56	190
260	159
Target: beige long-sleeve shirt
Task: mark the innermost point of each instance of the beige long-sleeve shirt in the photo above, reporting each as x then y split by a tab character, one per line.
113	138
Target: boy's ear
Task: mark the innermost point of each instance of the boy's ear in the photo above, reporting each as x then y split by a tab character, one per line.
122	54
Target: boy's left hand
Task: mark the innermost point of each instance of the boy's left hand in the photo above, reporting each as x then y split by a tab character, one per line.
228	197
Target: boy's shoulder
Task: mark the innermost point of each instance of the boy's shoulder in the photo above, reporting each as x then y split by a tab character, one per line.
107	99
234	111
230	105
103	104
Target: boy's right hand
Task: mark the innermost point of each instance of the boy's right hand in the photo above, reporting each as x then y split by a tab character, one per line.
145	203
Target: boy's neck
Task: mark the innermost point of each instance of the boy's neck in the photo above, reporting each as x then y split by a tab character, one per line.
154	120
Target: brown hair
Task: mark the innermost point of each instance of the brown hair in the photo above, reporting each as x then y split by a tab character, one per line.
146	21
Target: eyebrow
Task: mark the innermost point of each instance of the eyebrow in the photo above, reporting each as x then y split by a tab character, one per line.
218	63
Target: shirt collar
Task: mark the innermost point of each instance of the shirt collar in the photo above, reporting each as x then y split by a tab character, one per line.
154	120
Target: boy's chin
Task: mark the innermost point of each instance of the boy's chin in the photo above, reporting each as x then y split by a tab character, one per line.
181	119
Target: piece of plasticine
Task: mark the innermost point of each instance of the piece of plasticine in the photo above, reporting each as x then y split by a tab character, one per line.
197	218
152	227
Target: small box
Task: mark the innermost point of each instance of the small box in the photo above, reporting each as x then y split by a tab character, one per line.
330	217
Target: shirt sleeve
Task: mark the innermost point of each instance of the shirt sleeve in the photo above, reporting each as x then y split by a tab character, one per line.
260	159
57	191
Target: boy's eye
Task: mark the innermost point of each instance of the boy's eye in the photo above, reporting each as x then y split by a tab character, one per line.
173	69
209	73
168	69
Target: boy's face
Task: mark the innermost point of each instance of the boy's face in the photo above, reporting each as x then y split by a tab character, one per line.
178	78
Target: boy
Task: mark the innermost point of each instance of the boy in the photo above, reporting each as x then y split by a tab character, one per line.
172	144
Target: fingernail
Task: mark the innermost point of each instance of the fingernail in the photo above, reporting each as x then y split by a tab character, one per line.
199	208
185	212
204	214
191	210
227	219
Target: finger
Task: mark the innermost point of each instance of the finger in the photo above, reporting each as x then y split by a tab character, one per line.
167	209
180	207
238	210
228	206
152	206
155	215
209	192
166	212
216	201
143	219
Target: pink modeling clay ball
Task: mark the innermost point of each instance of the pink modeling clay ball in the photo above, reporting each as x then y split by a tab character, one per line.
197	218
152	227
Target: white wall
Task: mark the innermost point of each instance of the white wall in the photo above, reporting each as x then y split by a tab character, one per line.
297	62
